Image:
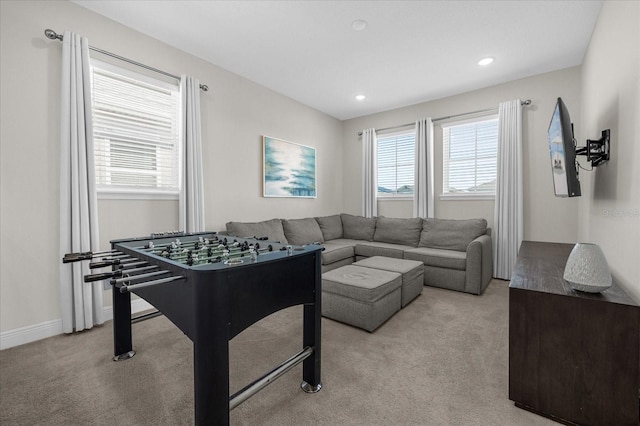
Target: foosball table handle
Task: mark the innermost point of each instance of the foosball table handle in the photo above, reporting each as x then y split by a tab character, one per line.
103	276
86	255
104	263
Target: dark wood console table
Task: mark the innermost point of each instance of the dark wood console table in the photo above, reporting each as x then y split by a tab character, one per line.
573	356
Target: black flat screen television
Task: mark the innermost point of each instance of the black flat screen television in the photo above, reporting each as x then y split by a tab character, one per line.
562	149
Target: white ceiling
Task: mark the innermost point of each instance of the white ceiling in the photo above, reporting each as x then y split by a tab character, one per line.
410	52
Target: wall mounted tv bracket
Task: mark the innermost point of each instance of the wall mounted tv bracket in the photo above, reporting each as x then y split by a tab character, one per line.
597	151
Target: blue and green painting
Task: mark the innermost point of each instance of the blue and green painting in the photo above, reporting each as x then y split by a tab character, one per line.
289	169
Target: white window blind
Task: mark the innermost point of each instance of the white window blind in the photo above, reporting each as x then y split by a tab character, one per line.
396	159
470	151
135	130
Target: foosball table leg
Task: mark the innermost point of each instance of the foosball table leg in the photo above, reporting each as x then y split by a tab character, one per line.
312	317
122	341
211	353
311	365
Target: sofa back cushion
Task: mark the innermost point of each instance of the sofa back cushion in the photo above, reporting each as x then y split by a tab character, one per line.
302	231
398	231
272	229
358	227
331	226
451	234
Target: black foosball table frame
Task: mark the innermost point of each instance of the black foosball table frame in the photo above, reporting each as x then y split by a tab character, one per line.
212	300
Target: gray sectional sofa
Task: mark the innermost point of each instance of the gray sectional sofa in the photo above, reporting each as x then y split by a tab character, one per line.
456	254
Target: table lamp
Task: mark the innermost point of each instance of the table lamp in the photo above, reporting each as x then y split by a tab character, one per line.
587	269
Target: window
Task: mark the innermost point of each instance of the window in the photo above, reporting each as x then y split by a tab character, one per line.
470	152
136	132
396	161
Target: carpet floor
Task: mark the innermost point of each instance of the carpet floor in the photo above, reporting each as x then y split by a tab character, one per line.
442	360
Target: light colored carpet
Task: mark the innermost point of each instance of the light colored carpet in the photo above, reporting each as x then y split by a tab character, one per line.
442	360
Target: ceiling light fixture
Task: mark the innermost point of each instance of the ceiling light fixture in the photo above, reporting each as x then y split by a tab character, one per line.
485	61
360	97
359	24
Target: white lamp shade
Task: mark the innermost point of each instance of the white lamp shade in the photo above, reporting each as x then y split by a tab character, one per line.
587	269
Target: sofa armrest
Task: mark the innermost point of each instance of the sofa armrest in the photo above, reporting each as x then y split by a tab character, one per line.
479	264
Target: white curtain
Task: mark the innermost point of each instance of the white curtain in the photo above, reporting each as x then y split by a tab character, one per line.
508	214
423	176
191	203
80	303
369	174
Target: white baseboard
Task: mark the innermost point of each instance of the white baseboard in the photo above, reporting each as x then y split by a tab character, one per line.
32	333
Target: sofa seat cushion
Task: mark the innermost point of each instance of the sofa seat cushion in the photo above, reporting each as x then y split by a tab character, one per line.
410	269
271	229
337	250
370	249
302	231
359	283
449	259
451	234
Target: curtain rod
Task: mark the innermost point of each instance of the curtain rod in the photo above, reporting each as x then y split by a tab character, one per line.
526	102
53	36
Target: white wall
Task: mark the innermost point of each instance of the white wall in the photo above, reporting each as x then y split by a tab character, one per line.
546	217
610	202
235	113
603	93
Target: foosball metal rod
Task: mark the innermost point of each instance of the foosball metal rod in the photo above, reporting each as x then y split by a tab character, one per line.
218	253
136	278
115	256
111	262
144	317
182	244
133	287
214	255
184	249
117	277
253	388
217	257
140	270
187	244
117	273
133	265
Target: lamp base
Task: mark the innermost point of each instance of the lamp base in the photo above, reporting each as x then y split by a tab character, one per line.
589	288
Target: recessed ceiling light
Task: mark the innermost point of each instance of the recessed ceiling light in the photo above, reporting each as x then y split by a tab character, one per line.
359	24
360	97
485	61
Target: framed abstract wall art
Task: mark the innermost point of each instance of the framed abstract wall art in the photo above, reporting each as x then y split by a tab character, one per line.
289	169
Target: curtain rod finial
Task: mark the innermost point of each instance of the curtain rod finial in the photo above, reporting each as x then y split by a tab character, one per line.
204	87
52	34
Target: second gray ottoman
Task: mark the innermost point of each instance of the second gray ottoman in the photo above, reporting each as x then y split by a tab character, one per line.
411	270
359	296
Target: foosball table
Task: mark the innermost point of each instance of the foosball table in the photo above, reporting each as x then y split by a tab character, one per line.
212	287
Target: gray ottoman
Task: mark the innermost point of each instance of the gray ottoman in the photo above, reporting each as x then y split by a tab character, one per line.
411	270
359	296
